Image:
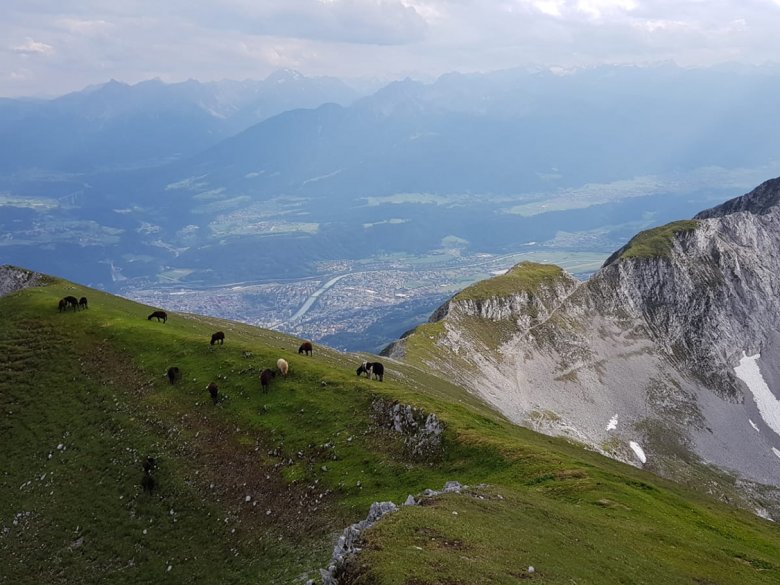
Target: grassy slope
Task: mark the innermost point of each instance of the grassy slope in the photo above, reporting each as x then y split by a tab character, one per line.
657	241
525	276
92	381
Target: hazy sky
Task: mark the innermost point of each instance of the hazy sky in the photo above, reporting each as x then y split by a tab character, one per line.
48	47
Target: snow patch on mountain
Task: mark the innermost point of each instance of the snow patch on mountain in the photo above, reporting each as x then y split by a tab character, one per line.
613	422
640	453
768	406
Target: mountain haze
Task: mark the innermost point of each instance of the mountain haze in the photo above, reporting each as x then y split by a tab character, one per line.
446	178
119	126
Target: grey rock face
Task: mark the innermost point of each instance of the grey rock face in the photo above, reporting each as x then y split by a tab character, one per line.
347	544
528	308
13	279
638	362
710	299
422	432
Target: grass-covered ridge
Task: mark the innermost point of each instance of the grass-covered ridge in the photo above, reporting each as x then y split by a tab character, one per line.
83	399
523	277
656	242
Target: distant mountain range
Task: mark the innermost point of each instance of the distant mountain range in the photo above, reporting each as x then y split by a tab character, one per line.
120	184
116	125
502	134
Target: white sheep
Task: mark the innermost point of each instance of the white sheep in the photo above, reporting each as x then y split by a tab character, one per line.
282	366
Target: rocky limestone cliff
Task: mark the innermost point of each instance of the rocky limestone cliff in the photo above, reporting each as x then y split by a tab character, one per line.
639	361
13	278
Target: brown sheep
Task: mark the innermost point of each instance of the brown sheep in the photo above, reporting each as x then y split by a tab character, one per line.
213	392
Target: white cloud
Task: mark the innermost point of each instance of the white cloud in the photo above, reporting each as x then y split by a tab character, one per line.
653	25
598	8
31	47
86	27
212	39
549	7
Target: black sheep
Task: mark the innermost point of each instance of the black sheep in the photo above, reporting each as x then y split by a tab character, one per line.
369	368
173	374
148	483
159	315
265	378
377	369
149	464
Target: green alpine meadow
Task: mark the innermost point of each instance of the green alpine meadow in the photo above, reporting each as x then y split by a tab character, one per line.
257	487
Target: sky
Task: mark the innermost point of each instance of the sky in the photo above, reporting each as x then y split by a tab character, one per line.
51	47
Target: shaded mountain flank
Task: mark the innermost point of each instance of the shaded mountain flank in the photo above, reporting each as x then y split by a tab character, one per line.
666	358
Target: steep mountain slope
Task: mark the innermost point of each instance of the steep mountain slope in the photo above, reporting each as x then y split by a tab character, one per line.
665	358
258	488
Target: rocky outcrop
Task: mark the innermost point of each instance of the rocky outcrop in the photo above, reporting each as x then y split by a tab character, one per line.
13	279
348	543
422	432
639	361
527	305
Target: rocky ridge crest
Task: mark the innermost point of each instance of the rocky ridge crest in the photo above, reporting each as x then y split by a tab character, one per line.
640	358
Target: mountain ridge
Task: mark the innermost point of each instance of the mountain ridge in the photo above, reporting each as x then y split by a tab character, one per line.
652	338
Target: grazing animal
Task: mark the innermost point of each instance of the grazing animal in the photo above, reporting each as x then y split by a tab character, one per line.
213	392
265	378
71	302
148	482
173	374
63	305
369	368
219	336
149	464
282	366
83	303
377	369
305	348
159	315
